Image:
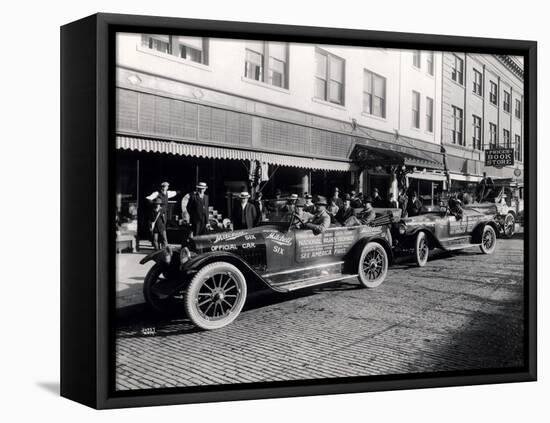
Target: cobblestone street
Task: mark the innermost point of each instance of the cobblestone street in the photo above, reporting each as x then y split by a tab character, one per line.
462	311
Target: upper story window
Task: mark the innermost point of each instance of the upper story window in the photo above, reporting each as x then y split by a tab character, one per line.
415	109
476	136
506	138
517	109
194	49
493	93
478	82
430	62
506	101
517	147
493	135
262	55
374	94
458	115
329	77
417	58
429	114
457	73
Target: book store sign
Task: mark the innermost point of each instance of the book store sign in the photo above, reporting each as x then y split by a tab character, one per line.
499	157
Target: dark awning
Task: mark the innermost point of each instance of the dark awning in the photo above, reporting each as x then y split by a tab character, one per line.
376	153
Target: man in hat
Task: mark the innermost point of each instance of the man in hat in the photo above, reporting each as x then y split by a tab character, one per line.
336	198
415	205
244	215
157	225
368	214
261	212
163	193
321	220
196	204
403	201
346	211
309	206
377	201
290	206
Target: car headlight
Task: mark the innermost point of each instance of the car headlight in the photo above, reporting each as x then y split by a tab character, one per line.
185	255
402	229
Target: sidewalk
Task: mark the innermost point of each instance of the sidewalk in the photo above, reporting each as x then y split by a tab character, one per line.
130	277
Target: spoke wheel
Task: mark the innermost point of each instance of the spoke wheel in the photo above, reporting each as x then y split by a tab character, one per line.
488	240
215	296
155	300
422	249
373	265
509	225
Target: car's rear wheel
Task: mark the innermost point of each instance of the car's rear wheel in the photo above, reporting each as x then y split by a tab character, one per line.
215	296
421	249
509	225
152	291
488	240
373	265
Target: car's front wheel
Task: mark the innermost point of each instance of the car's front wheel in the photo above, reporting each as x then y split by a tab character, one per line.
509	225
215	296
421	249
373	265
488	240
153	291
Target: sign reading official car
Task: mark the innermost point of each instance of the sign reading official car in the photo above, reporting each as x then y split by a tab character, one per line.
499	157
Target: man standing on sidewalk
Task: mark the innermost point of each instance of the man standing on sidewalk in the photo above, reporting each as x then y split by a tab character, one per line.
196	205
163	194
157	225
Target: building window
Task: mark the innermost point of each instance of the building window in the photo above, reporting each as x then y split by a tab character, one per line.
517	110
374	94
416	58
329	77
415	109
478	83
457	73
261	55
457	125
429	114
493	136
477	133
506	138
193	49
493	94
506	102
517	147
430	62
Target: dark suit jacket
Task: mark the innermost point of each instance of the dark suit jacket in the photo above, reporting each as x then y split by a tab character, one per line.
198	208
344	214
244	219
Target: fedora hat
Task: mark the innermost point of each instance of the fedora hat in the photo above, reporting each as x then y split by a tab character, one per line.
308	196
202	185
244	194
165	184
300	202
293	197
321	201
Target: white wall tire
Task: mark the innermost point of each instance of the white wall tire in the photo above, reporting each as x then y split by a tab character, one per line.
373	265
488	240
421	249
215	296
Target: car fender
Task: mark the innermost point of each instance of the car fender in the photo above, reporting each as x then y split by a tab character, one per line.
193	265
478	230
160	256
409	238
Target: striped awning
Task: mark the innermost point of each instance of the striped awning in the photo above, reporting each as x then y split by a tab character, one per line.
214	152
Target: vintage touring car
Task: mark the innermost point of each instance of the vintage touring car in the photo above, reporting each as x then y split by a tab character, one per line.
440	227
209	276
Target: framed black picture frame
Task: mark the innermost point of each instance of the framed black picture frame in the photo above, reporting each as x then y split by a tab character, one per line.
87	236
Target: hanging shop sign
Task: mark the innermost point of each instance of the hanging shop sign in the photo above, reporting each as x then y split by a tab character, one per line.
499	157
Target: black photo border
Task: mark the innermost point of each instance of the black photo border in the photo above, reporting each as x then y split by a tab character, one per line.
88	66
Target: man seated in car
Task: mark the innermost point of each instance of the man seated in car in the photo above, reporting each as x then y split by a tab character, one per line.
346	211
321	221
299	215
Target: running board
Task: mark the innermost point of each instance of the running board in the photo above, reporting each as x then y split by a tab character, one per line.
309	282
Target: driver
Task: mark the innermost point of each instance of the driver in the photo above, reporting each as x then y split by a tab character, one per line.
321	221
300	215
455	207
